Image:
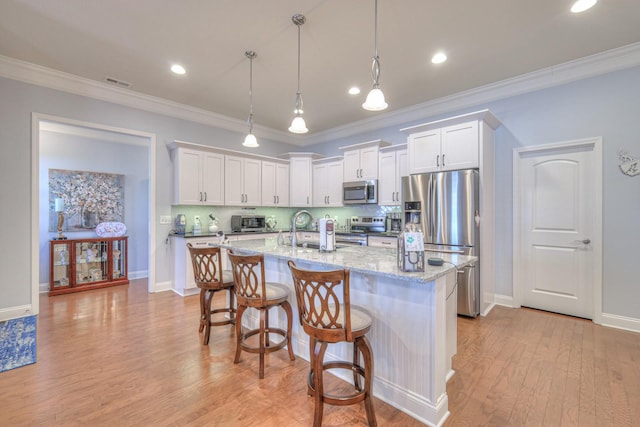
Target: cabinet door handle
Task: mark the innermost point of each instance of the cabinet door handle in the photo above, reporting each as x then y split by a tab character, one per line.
328	200
442	160
438	160
274	200
205	196
278	199
307	199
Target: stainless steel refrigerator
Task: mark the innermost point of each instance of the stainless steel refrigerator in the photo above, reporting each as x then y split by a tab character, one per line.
446	205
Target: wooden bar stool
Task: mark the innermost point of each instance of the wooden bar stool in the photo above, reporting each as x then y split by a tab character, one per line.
327	320
210	278
252	291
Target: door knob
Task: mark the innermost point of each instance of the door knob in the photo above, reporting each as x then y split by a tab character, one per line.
586	241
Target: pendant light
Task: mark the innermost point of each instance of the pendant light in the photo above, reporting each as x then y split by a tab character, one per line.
375	100
250	140
297	124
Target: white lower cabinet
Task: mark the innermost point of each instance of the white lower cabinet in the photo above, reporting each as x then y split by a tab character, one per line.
382	242
183	280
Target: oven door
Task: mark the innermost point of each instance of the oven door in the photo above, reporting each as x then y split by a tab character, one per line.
352	239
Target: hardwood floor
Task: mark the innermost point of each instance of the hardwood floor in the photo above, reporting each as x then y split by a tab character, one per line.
120	356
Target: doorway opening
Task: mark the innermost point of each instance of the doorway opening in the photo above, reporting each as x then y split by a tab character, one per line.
82	139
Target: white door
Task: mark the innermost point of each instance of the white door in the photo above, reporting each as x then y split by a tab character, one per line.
558	200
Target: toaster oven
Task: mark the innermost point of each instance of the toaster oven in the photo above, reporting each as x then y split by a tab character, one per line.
247	223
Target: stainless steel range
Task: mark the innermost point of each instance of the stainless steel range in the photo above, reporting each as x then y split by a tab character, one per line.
368	224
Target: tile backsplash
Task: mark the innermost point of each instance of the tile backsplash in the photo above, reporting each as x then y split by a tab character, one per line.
283	216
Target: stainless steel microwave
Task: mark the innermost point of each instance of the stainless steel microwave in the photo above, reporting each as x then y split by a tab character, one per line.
360	192
247	223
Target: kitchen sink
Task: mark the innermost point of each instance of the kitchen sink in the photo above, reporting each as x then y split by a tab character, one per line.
315	245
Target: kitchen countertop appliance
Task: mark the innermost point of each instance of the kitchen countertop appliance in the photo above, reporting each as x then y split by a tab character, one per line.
248	223
393	223
445	205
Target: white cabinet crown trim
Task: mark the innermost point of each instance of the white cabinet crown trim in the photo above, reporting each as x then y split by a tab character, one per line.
375	143
483	115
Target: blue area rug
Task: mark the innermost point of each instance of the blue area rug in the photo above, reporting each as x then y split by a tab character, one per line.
17	342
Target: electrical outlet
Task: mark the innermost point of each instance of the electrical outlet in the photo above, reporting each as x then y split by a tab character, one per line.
165	219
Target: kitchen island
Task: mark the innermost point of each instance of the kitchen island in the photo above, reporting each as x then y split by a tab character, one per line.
414	329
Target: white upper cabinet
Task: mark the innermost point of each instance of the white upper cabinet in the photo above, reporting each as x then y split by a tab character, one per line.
327	182
449	144
198	177
242	181
361	160
448	148
393	165
275	184
300	179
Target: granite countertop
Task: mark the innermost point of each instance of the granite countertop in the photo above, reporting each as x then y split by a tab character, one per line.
362	259
257	233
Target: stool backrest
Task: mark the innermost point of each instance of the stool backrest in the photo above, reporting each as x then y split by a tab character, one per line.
249	279
324	303
207	264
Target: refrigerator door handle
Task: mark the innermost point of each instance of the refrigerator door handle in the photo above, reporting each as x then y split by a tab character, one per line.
448	251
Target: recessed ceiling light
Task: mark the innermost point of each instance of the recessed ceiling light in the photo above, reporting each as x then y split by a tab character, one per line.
178	69
582	5
439	58
354	90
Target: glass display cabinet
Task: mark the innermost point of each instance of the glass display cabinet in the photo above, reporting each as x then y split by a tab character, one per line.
82	264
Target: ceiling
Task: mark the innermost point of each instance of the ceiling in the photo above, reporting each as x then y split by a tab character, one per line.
137	41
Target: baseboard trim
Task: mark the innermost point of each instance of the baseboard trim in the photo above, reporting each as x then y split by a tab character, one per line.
621	322
504	300
163	286
609	320
16	312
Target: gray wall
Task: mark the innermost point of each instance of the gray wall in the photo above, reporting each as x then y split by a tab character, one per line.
604	106
17	103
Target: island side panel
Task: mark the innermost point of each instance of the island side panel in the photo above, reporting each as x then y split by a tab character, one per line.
408	336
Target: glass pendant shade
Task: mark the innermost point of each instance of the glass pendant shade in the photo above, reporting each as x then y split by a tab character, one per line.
375	101
298	125
250	141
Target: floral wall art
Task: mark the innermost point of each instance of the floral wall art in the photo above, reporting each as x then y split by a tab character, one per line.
89	198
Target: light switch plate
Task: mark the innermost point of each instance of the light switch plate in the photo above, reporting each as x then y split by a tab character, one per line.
165	219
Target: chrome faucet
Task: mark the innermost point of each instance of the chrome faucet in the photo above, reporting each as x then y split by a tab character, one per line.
294	240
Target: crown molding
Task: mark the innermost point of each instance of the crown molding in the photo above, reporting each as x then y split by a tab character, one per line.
590	66
53	79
